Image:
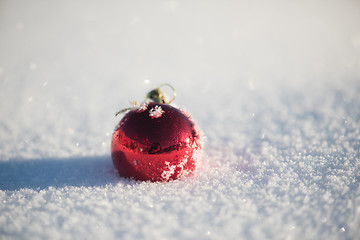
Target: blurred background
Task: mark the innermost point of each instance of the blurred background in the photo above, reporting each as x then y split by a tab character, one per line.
67	66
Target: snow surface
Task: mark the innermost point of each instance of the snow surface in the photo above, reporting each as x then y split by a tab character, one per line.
274	85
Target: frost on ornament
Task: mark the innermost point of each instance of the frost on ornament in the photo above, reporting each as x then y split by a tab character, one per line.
166	174
161	150
156	112
142	107
118	126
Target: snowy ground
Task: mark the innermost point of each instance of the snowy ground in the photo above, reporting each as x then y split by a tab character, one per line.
274	85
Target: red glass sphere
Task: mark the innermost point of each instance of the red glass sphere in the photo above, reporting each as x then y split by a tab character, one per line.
155	142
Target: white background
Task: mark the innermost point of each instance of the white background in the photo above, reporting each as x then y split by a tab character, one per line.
274	86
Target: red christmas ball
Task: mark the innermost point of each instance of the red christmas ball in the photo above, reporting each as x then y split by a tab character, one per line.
155	142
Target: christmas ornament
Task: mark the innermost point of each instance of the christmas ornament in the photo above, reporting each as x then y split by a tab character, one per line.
155	141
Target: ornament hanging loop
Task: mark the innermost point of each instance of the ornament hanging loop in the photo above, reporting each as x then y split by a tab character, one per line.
155	95
159	96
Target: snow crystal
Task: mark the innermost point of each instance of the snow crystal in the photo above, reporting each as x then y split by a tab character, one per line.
140	108
166	174
156	112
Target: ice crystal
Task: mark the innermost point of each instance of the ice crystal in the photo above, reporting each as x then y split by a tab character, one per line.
156	112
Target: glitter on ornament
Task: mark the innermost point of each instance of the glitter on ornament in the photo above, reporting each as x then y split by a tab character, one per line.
161	143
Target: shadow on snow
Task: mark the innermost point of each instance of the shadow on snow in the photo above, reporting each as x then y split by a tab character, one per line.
44	173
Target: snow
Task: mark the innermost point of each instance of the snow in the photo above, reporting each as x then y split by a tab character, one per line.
166	174
156	112
142	107
273	85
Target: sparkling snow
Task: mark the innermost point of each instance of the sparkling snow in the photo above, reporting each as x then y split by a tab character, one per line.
274	86
156	112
